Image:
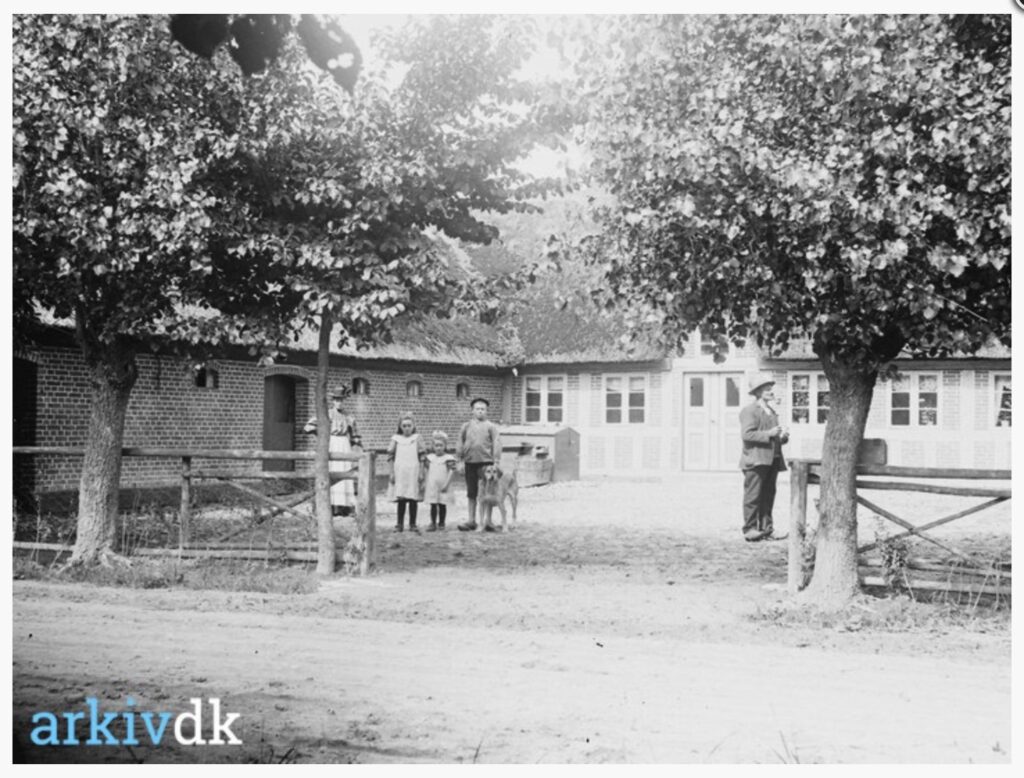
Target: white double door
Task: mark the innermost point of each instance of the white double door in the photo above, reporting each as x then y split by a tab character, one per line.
711	420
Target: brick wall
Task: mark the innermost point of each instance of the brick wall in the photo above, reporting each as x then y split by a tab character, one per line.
572	400
950	403
622	457
677	401
878	414
167	409
437	408
594	453
650	454
516	388
982	386
655	400
596	399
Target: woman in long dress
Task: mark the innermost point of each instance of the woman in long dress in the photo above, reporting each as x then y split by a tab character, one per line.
344	435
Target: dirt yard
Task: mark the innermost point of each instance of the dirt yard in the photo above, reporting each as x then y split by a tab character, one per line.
620	622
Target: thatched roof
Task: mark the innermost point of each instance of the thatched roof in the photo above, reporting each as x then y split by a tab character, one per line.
801	349
460	341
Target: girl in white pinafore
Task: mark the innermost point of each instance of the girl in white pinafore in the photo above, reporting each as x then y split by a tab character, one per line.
438	491
406	453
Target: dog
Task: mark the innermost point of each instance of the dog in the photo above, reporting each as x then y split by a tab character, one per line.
495	488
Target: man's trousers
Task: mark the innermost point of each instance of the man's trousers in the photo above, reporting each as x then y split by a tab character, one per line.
759	498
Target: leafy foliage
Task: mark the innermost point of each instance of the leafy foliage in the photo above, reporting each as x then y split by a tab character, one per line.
348	207
556	305
841	178
112	133
156	197
161	200
254	41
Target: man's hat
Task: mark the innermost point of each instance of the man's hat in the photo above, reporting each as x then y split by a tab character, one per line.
757	380
341	391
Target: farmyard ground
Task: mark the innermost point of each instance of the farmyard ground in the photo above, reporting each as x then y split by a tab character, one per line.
620	622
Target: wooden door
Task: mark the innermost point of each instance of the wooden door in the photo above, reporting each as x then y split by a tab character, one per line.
696	421
278	420
711	407
729	401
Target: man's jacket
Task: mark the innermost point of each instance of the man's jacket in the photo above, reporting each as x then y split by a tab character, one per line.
758	447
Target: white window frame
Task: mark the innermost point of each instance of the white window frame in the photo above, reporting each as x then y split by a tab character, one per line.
915	400
993	416
624	408
702	341
812	391
545	393
210	375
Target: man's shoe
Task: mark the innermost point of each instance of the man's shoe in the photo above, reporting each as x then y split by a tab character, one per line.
775	536
491	528
431	528
752	536
467	527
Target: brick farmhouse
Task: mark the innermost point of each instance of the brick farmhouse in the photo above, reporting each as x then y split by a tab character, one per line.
641	415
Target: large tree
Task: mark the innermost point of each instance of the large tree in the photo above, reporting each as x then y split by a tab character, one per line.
158	198
350	202
837	179
113	129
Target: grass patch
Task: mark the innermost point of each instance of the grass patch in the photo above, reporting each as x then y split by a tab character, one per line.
896	613
220	575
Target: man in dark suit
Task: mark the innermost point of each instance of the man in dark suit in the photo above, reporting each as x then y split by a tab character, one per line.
761	460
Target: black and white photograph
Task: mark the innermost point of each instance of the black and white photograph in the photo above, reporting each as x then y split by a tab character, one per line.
560	386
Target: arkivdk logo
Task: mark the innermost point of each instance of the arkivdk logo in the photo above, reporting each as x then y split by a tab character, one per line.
132	727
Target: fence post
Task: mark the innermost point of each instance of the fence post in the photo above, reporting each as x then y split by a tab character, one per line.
367	509
797	523
185	511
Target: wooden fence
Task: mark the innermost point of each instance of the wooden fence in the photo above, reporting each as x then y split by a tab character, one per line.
363	473
804	472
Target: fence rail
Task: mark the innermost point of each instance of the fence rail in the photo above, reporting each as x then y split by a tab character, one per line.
364	474
207	453
805	472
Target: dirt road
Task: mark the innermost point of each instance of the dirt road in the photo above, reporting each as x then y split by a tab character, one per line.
583	636
356	689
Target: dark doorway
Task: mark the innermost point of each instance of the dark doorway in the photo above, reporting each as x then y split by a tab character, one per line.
24	401
279	420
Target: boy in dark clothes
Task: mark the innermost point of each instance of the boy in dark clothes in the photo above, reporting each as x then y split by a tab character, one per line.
478	445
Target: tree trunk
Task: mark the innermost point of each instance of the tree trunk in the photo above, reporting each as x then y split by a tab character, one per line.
326	557
113	374
835	565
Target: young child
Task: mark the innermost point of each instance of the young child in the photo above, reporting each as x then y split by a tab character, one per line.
406	453
438	493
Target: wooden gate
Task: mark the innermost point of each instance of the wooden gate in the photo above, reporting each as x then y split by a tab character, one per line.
808	471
